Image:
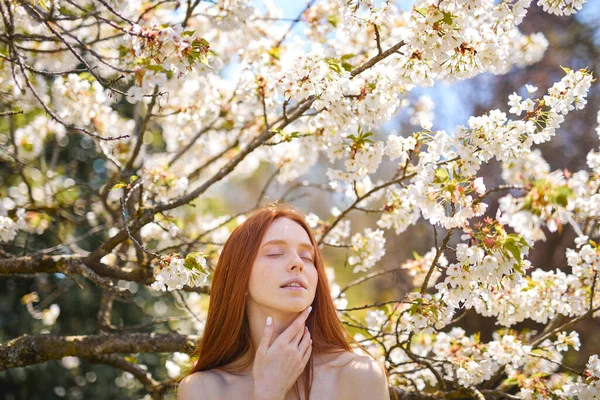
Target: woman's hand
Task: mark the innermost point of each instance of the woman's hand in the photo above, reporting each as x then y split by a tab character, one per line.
278	365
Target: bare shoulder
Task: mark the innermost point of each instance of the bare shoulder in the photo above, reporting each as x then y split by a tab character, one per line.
357	364
201	385
363	377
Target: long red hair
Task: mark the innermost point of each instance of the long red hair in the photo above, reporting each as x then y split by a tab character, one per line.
226	335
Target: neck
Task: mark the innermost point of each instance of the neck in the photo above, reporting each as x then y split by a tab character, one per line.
257	318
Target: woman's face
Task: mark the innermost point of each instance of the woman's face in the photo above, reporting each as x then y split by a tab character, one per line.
285	253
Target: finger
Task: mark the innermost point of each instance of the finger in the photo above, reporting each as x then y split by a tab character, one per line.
299	336
295	327
265	341
306	339
307	352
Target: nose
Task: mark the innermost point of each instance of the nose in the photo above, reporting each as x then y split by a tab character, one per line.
296	264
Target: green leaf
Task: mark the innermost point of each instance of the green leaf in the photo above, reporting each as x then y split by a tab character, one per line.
514	250
275	52
333	20
156	68
567	70
188	33
447	18
422	11
190	262
335	65
119	185
133	178
203	58
123	51
347	56
442	174
562	195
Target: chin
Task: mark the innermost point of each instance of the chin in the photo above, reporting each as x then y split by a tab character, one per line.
292	307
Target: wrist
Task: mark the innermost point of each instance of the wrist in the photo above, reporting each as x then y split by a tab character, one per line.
258	395
261	392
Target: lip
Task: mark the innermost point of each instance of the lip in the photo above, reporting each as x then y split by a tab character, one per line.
294	288
297	280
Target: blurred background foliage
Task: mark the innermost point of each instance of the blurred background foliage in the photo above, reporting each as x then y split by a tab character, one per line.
574	43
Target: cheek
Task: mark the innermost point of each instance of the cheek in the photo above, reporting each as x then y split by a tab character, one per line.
260	275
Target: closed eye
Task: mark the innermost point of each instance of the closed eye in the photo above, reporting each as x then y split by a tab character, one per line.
273	255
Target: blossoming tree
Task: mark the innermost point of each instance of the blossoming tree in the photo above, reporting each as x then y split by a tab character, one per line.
180	99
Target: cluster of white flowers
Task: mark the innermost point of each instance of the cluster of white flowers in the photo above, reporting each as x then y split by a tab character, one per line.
161	183
356	16
474	362
485	273
587	388
30	138
546	204
443	195
465	358
585	262
561	7
361	163
540	296
400	210
585	203
312	74
9	227
493	135
376	320
93	102
564	341
398	147
424	312
462	39
367	249
165	50
507	349
173	274
532	166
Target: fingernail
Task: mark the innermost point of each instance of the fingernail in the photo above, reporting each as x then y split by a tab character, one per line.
269	321
309	309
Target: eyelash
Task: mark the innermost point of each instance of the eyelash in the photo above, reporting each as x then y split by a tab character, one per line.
276	255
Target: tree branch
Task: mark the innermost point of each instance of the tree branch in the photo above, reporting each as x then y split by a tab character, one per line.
35	349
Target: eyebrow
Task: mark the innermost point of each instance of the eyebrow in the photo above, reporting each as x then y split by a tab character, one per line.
278	241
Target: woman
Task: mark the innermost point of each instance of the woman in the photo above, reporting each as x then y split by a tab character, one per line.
261	334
